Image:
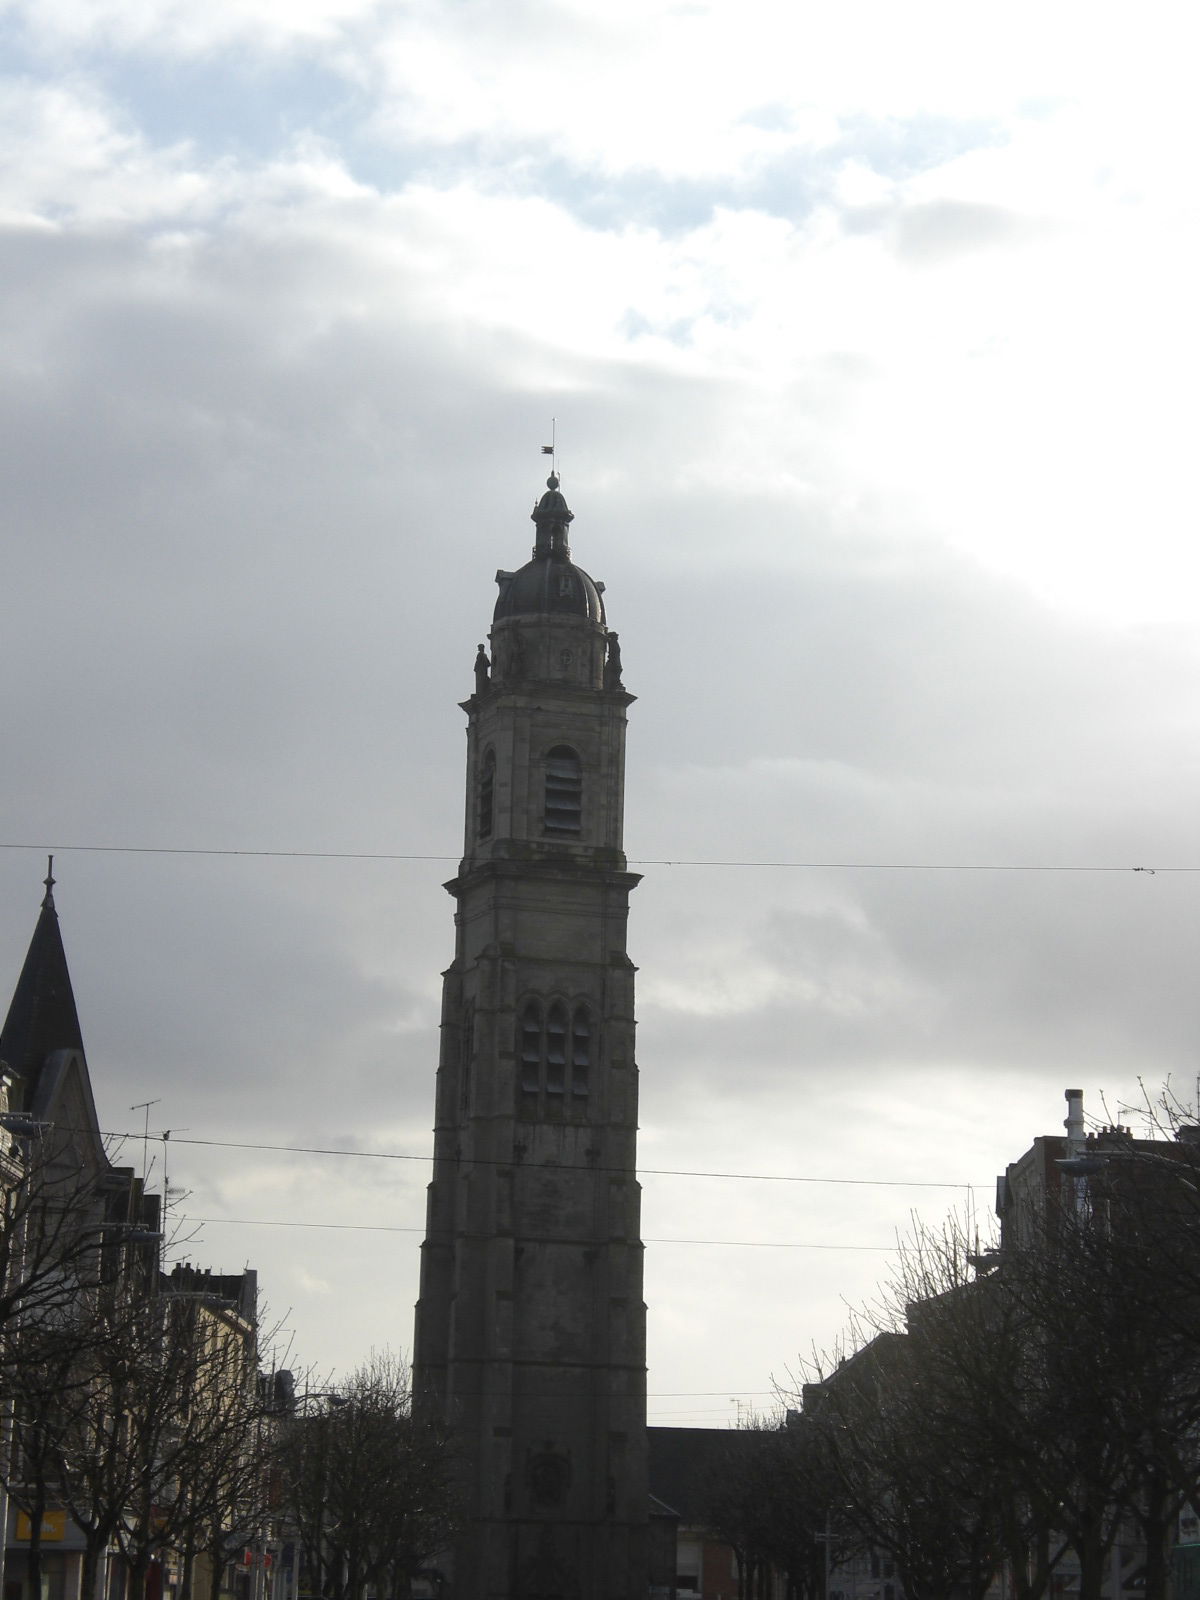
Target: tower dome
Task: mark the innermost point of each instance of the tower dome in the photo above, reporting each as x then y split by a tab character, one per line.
548	585
551	582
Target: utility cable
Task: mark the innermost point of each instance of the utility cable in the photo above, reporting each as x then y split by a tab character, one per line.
634	861
513	1161
383	1227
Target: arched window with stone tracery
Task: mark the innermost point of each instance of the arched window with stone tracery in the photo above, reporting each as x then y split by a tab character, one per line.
555	1047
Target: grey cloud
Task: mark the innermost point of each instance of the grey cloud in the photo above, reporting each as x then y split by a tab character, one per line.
942	230
255	505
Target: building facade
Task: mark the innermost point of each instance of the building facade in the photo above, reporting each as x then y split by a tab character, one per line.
530	1333
129	1408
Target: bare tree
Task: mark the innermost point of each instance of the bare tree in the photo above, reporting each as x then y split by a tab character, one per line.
235	1492
1034	1402
1114	1287
72	1227
368	1485
138	1426
933	1430
764	1493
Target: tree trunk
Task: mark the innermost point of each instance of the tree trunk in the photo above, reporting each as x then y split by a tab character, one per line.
33	1561
1089	1548
135	1587
187	1557
216	1553
95	1551
1157	1525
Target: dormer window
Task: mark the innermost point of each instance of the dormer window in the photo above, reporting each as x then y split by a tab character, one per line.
487	796
564	791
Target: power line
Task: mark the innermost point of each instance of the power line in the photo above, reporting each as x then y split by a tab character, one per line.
634	861
626	1172
652	1416
383	1227
651	1394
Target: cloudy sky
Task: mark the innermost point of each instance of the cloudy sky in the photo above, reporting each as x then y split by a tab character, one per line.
871	336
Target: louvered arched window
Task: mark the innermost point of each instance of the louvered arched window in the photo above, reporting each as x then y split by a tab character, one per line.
581	1052
531	1048
555	1045
556	1050
564	791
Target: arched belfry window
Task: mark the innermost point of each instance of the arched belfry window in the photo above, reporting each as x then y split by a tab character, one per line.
581	1052
487	796
555	1045
531	1048
556	1050
564	790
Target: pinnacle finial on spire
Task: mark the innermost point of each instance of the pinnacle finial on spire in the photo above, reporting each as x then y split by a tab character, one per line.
48	880
553	517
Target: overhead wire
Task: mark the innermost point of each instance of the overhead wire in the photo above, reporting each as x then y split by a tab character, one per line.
513	1161
633	861
783	865
385	1227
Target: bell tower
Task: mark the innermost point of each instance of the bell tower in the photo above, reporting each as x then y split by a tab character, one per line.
530	1333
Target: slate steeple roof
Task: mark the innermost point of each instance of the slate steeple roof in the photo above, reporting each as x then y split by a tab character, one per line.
42	1016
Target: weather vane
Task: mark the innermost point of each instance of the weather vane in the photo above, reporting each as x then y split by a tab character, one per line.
551	448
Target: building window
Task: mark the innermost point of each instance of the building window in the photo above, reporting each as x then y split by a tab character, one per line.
581	1050
554	1051
564	791
487	795
531	1048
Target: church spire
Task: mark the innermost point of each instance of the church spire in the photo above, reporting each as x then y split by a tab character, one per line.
42	1016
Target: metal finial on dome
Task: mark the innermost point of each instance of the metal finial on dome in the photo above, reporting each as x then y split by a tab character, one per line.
48	880
553	517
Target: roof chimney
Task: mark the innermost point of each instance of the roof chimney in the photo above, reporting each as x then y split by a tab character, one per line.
1074	1122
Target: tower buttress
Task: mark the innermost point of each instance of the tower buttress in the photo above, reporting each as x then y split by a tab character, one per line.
530	1336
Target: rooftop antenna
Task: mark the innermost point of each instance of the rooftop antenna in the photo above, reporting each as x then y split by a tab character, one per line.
166	1195
144	1106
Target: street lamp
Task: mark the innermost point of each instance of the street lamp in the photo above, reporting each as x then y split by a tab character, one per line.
23	1126
984	1261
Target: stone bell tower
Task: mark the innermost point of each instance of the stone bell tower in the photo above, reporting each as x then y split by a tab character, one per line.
530	1334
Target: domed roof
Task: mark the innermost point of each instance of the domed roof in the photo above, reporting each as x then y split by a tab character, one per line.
548	586
551	584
